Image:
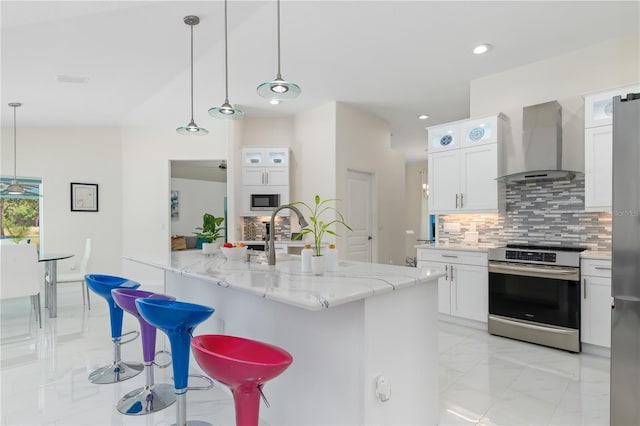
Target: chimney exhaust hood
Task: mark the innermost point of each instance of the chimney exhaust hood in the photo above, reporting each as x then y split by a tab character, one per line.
539	155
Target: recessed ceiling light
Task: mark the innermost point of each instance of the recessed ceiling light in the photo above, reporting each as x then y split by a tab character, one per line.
481	48
423	116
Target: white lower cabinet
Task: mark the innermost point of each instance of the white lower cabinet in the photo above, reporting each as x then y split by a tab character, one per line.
463	291
595	323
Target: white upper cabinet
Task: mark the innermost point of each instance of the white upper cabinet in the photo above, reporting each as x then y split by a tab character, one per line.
444	181
264	171
265	157
479	131
463	172
444	138
598	138
598	107
478	184
598	163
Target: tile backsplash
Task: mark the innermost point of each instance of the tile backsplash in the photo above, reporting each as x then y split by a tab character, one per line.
549	212
254	228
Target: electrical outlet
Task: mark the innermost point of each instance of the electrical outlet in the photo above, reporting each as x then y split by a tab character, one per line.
452	226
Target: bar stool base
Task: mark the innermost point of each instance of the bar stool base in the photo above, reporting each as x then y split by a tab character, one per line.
195	423
146	400
116	372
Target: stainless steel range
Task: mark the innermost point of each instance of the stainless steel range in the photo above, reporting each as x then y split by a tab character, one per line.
534	294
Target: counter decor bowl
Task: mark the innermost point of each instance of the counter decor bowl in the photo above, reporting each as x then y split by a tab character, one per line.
234	253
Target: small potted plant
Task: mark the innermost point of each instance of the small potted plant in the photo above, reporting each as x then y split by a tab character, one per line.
318	228
210	231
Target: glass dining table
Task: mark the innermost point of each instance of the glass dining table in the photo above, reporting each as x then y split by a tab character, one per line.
50	280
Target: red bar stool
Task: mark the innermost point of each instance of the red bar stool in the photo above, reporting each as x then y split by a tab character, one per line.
244	366
152	397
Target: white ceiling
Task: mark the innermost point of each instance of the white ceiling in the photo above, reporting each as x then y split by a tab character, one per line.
395	59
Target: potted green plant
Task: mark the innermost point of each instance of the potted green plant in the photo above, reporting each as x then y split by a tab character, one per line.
210	231
319	227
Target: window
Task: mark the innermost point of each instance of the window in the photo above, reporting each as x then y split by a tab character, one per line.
20	215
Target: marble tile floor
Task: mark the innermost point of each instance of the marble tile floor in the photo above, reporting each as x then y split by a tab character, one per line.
489	380
484	380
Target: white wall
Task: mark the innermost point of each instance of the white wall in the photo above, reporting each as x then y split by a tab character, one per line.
313	170
146	155
267	132
196	197
60	156
563	78
364	144
415	207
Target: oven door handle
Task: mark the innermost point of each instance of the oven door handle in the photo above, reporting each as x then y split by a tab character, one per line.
531	270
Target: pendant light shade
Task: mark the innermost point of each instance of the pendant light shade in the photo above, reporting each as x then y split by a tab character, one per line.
226	110
15	187
192	128
279	89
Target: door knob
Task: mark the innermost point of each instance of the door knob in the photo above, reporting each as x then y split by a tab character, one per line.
369	237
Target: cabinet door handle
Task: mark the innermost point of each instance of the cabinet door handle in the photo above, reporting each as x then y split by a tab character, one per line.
266	178
455	296
456	201
446	272
449	255
584	288
461	200
603	268
262	177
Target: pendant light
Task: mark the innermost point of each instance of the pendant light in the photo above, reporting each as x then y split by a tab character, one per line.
15	187
192	128
279	89
226	110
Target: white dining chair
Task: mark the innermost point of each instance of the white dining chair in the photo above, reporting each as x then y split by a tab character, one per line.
78	275
20	274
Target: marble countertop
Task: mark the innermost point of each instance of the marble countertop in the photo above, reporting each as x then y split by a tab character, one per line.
286	283
464	247
290	243
595	254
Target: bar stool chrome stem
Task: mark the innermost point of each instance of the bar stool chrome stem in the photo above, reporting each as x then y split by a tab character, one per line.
177	320
152	397
118	370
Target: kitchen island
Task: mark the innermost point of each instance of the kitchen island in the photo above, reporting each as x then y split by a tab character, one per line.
364	340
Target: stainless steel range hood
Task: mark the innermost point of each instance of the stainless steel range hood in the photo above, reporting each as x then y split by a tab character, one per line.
539	154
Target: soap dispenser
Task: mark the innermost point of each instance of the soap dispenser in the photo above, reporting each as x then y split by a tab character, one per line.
332	258
305	255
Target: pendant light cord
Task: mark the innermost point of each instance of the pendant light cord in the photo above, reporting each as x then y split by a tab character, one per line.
226	58
15	153
191	25
278	20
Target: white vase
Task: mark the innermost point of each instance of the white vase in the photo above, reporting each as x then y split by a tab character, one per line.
318	265
210	248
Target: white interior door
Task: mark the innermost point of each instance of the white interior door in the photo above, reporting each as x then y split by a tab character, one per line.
359	216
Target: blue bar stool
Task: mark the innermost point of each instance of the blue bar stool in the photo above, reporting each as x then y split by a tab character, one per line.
151	397
118	370
177	320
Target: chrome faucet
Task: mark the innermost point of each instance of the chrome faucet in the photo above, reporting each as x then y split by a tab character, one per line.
270	247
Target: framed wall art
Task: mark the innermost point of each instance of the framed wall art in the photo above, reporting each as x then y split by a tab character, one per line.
84	197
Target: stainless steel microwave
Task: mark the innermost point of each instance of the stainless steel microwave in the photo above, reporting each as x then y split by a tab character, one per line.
264	202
